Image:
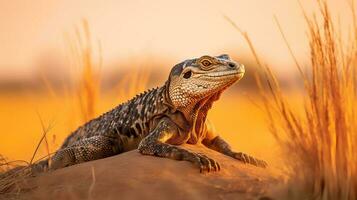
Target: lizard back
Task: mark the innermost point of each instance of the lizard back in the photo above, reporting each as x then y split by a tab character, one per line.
130	121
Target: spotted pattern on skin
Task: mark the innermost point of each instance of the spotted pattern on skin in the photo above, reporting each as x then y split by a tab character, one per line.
159	120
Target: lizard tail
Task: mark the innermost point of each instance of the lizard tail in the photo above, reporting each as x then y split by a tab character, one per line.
40	167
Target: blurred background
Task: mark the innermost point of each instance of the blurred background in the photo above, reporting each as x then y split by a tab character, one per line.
65	62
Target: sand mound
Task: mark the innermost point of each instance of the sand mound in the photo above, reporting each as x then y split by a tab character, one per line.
134	176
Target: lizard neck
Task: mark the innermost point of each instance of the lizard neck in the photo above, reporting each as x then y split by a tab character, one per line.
192	113
186	111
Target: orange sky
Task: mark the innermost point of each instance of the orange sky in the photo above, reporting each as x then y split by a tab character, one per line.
30	30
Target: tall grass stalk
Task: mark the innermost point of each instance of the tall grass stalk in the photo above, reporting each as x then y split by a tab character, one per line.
320	141
82	58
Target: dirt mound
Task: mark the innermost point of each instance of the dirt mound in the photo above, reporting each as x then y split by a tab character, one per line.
134	176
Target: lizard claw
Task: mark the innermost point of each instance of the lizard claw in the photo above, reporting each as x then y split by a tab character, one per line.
246	159
206	164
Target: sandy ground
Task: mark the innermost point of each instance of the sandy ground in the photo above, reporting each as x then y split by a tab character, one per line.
134	176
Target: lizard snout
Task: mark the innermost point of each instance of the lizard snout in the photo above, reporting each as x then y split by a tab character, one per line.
236	66
241	68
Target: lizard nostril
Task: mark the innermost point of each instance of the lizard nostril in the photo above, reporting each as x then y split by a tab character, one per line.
232	65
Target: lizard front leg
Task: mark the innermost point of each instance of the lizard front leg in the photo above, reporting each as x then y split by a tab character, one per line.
154	144
215	142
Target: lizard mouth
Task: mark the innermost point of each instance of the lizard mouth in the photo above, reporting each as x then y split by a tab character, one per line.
223	74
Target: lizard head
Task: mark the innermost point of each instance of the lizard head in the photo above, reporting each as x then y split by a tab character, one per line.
194	80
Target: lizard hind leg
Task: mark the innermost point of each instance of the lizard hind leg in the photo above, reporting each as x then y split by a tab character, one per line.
84	150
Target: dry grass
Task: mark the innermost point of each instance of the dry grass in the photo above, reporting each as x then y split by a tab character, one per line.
320	141
82	57
10	183
14	173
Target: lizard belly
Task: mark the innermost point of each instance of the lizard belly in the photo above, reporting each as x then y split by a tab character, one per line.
195	137
128	143
181	138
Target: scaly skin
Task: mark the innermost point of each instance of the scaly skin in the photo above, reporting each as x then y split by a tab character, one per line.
159	120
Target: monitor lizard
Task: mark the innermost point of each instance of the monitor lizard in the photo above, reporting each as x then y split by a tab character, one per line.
157	121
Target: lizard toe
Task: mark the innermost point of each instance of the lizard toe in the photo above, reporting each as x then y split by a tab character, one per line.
241	157
214	164
205	163
262	164
246	159
208	164
197	162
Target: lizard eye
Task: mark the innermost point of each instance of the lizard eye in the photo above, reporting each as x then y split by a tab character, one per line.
187	75
206	63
